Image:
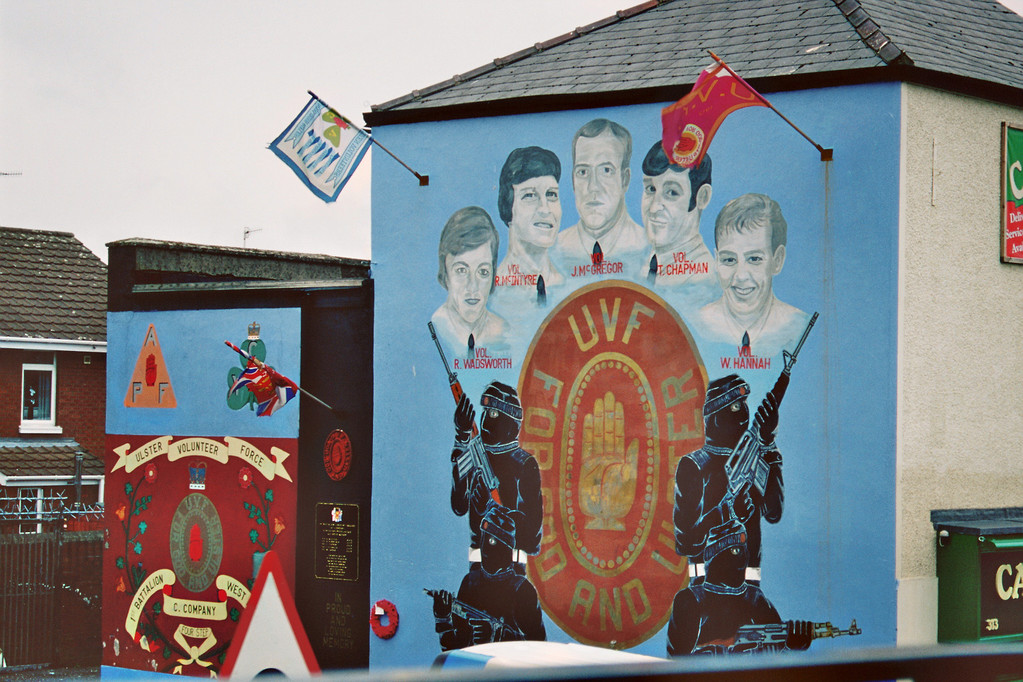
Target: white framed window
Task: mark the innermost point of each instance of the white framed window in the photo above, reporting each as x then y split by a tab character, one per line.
39	397
30	506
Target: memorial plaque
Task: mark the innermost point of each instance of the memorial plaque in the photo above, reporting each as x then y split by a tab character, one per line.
337	541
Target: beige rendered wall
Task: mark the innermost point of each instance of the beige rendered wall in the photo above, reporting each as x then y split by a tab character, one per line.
960	427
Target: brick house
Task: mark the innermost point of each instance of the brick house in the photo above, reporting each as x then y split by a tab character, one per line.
52	376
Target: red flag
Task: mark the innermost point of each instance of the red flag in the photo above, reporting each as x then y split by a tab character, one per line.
690	123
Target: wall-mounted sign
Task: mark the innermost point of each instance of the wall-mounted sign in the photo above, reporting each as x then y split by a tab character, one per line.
1001	589
1012	194
337	541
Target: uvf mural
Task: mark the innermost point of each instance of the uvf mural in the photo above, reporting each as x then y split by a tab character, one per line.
630	428
199	487
615	478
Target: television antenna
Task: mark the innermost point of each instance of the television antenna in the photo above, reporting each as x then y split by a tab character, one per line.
245	235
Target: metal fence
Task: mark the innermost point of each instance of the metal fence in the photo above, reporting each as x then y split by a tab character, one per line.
50	585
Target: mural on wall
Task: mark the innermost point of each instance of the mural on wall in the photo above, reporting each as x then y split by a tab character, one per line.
260	384
194	507
238	395
606	240
722	491
150	384
750	235
620	484
495	484
608	413
529	203
673	203
182	510
467	261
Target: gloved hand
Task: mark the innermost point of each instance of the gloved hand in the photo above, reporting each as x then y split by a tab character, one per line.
501	515
767	415
742	505
482	631
800	634
441	604
465	417
479	494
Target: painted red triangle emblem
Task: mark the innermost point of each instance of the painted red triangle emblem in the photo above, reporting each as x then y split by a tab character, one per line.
260	642
150	384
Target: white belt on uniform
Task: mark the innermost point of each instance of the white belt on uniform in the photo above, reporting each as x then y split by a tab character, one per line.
698	571
518	556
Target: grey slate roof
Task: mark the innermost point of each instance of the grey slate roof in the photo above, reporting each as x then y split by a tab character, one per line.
53	287
659	47
973	38
24	457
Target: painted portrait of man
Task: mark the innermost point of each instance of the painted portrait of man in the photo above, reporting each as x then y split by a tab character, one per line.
674	198
467	259
601	153
529	203
750	236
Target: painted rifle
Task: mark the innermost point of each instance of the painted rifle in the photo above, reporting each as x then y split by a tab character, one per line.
500	631
772	637
746	464
474	456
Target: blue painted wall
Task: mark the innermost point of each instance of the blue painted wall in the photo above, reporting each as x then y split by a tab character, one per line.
192	344
831	557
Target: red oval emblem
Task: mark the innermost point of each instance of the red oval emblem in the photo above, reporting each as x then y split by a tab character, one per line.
194	542
337	454
612	390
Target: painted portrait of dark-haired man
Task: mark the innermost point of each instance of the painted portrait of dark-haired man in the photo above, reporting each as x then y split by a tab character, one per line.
674	198
529	203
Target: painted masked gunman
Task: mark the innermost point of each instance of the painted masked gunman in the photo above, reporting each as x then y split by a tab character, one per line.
491	470
701	481
706	617
494	603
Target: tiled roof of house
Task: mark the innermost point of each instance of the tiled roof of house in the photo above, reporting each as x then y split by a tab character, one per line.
24	457
660	46
53	287
978	39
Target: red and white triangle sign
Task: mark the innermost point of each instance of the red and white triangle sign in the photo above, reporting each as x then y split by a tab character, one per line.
270	635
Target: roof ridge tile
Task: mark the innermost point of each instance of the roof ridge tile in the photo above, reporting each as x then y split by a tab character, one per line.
871	33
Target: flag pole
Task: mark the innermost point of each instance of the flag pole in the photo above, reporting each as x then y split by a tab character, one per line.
424	180
260	364
826	154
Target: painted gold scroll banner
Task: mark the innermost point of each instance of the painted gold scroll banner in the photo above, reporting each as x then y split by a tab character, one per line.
159	582
194	652
270	466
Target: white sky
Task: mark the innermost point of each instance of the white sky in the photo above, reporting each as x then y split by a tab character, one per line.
137	118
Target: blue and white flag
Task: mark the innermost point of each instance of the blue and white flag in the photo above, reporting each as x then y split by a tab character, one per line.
323	148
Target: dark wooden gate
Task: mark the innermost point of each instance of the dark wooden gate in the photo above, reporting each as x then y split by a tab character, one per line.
50	596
